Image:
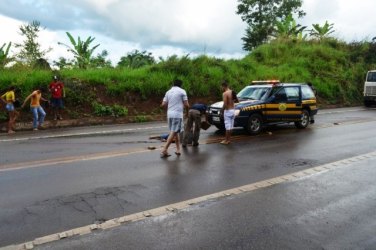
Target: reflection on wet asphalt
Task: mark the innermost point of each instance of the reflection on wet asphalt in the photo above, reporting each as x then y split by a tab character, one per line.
56	197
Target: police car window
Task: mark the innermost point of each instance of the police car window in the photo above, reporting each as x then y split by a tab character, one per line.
252	93
292	93
258	93
245	92
275	90
280	94
307	92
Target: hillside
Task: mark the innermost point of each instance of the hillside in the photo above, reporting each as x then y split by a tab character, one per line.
336	69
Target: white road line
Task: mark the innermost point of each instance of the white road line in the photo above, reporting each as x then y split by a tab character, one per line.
172	208
119	131
103	132
323	112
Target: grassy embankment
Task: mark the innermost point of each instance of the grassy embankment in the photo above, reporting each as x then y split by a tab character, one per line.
336	69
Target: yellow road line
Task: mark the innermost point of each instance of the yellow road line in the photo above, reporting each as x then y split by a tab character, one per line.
69	159
106	155
175	207
91	157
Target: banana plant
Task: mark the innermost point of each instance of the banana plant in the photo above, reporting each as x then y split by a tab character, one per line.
288	28
321	32
4	55
81	50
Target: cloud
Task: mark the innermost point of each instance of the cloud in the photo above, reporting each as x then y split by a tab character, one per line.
167	27
193	24
184	23
353	20
49	13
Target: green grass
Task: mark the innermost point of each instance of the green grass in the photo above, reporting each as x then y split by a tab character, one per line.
141	118
109	110
335	68
24	79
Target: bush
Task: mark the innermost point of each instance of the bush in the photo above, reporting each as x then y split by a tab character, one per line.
106	110
141	118
336	69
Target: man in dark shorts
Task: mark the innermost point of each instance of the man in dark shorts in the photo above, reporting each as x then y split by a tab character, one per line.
194	123
57	93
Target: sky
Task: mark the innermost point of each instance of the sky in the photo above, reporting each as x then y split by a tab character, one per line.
165	27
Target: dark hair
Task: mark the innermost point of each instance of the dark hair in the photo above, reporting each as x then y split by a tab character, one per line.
178	82
224	84
42	89
12	88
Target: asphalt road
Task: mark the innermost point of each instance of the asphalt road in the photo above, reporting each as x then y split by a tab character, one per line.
53	181
329	210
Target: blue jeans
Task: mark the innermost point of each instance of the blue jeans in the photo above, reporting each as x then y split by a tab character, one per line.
38	111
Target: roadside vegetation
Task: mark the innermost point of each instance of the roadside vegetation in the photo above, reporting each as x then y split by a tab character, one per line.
335	68
135	86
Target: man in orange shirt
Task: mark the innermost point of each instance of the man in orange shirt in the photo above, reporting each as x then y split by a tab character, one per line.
38	112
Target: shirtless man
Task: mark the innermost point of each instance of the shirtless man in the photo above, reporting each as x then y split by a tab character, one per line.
228	111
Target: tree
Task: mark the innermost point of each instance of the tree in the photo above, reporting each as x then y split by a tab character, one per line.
30	50
371	53
41	64
4	55
63	63
288	28
81	50
100	60
136	59
321	32
262	16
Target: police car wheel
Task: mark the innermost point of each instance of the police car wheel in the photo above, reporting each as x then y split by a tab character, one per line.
254	125
303	123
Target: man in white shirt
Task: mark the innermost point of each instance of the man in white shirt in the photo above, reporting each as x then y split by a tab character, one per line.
175	99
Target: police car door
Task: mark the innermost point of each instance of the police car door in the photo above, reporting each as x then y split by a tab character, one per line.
284	105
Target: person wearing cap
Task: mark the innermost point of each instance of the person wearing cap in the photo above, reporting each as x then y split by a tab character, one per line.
194	123
57	93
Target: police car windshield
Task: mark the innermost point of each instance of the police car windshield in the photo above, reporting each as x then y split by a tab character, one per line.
252	93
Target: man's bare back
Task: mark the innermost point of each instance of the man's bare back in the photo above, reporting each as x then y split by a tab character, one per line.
228	102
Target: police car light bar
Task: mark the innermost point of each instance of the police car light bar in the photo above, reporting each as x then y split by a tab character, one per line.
266	82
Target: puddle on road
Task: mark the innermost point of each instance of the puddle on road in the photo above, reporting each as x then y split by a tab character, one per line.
295	163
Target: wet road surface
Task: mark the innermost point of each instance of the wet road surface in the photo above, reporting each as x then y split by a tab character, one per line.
329	210
58	180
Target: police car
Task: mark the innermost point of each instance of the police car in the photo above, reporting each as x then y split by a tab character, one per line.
269	103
